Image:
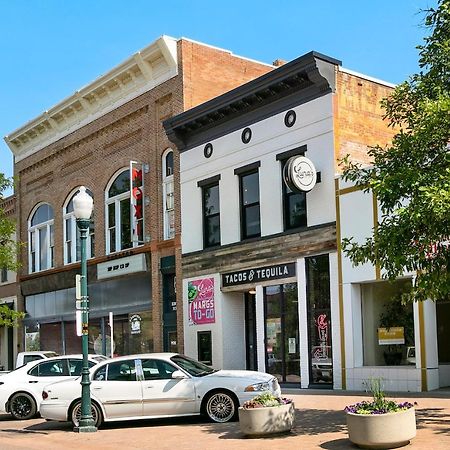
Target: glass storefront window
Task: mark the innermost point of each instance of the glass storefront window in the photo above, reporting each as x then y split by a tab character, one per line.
32	339
282	334
319	319
388	326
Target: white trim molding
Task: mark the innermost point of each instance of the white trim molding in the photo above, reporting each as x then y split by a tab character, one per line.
141	72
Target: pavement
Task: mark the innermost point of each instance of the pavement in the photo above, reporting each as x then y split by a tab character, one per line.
319	424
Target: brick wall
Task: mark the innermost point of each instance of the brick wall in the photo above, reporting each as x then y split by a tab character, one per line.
92	155
208	72
358	116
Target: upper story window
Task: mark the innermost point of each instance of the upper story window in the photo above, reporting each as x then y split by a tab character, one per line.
72	246
211	211
294	207
40	239
294	203
249	200
4	275
118	213
168	194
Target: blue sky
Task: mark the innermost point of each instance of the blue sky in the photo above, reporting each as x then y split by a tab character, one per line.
50	48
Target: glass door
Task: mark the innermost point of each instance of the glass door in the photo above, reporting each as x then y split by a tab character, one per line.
250	331
282	333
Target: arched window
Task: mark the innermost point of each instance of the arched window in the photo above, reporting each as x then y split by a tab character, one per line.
72	246
118	219
168	194
40	239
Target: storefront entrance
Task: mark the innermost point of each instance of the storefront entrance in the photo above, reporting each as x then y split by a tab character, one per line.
250	332
282	332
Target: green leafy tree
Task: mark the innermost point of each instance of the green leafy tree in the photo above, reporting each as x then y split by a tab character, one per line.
8	253
411	177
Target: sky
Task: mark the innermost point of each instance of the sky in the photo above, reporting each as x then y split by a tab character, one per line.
51	48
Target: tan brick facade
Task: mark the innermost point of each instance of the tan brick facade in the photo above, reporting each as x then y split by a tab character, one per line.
93	154
358	116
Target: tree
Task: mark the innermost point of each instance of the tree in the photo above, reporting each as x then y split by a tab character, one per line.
8	252
411	176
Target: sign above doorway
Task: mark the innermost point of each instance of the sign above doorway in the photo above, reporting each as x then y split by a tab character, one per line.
257	275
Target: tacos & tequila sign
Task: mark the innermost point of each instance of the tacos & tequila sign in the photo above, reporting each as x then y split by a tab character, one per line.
258	274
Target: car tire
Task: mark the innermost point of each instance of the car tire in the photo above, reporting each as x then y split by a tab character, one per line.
75	414
221	406
22	406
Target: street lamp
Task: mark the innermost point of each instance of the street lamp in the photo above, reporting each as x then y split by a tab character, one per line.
82	208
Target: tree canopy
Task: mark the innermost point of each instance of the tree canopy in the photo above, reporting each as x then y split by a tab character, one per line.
8	252
8	247
411	176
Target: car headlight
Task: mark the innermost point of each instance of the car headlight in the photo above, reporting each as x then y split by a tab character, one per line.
265	386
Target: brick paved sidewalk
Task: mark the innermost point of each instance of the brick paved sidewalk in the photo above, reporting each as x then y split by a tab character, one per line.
320	424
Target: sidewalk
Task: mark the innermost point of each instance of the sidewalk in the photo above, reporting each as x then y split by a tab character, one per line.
320	424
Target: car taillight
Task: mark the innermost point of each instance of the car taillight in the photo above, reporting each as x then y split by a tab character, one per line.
44	395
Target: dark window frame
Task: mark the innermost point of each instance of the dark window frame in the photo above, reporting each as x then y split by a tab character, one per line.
242	172
4	275
287	193
199	356
206	218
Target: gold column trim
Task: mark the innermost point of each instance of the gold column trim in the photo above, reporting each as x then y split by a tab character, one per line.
340	287
423	350
375	229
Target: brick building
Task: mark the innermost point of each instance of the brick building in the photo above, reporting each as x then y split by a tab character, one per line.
261	260
8	297
104	136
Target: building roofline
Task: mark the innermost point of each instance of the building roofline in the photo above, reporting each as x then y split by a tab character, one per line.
139	73
312	74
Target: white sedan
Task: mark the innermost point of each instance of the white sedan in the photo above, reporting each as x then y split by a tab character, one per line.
21	389
156	385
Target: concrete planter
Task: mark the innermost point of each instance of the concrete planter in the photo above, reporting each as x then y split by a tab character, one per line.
268	420
389	430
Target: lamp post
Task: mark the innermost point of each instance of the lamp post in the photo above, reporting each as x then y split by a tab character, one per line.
82	207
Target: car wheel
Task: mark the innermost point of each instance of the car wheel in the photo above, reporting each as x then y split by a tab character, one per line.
221	406
22	406
75	415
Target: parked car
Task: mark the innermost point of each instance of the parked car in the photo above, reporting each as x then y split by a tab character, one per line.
156	385
26	357
21	389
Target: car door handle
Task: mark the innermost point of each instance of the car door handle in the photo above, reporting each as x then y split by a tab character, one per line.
97	388
149	387
33	381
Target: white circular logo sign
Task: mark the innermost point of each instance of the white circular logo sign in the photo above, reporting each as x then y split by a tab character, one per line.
301	174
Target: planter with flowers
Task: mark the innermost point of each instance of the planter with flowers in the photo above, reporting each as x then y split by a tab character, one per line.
380	423
266	414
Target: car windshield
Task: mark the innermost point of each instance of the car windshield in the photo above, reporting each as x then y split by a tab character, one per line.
191	366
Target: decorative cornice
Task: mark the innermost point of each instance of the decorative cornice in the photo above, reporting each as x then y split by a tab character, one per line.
8	205
141	72
303	79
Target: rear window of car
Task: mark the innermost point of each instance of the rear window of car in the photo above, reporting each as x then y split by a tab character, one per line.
54	368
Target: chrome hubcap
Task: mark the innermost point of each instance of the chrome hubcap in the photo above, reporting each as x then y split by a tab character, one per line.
220	407
76	414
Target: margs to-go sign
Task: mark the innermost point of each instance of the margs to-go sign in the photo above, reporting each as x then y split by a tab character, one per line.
201	301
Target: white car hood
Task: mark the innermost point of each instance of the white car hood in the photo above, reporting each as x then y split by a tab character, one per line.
255	377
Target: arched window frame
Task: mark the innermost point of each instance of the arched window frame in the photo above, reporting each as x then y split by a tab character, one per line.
71	233
115	228
168	195
36	263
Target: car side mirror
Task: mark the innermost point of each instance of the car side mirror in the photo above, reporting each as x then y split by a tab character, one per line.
179	375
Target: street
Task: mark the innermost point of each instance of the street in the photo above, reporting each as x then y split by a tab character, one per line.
320	424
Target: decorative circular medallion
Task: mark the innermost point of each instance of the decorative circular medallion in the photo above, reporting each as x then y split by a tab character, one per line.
299	174
208	150
246	135
290	118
